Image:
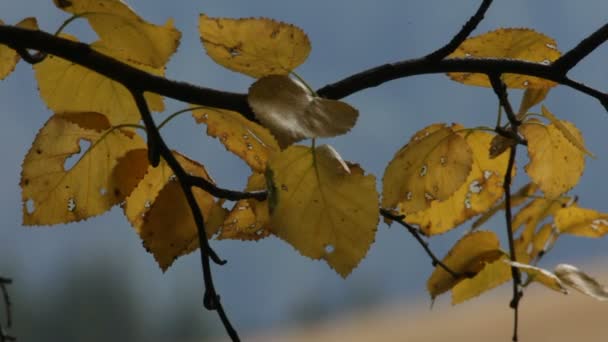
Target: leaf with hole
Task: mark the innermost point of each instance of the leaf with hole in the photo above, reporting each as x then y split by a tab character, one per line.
89	187
508	43
325	208
254	46
432	166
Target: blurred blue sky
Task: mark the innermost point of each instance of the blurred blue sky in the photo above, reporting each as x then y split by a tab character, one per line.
263	281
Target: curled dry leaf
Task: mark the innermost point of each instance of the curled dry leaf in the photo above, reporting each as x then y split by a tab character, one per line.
248	140
53	193
482	188
336	207
541	276
254	47
432	166
511	43
129	36
65	86
292	112
581	281
467	257
556	165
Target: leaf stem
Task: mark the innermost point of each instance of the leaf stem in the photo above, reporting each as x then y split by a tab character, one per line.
179	112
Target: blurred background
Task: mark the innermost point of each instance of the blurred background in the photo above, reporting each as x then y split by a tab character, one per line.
92	281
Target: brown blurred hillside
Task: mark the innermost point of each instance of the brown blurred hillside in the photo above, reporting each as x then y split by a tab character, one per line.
544	316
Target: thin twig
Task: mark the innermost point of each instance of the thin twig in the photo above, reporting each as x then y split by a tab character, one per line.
501	92
425	245
211	299
231	195
571	58
8	311
464	32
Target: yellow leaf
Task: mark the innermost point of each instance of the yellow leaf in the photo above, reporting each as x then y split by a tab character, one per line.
499	145
159	212
88	188
432	166
65	86
517	198
467	257
543	239
573	137
324	208
494	274
531	215
532	97
479	192
248	140
254	47
581	222
510	43
120	28
292	113
541	276
9	57
249	219
555	164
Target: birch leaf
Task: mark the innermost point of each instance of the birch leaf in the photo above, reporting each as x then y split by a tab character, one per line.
541	276
581	281
581	222
335	204
574	136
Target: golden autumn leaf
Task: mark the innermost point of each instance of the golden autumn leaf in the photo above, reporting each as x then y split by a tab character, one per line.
531	215
9	57
581	222
323	207
543	239
541	276
89	187
574	136
510	43
254	47
517	198
248	140
292	113
65	86
249	219
479	192
467	257
532	97
128	35
493	274
555	163
159	212
432	166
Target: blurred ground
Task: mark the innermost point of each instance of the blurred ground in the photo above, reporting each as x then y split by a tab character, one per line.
544	316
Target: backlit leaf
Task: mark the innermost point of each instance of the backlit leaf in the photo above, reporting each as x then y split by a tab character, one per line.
324	208
532	97
89	187
292	112
432	166
467	257
543	239
574	136
581	281
255	47
542	276
581	222
9	57
555	164
479	192
249	219
517	198
159	212
66	86
248	140
130	37
493	274
510	43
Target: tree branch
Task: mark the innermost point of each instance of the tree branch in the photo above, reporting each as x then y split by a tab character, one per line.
464	32
8	311
571	58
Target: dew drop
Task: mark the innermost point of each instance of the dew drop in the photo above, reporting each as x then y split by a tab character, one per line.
329	249
30	206
71	204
